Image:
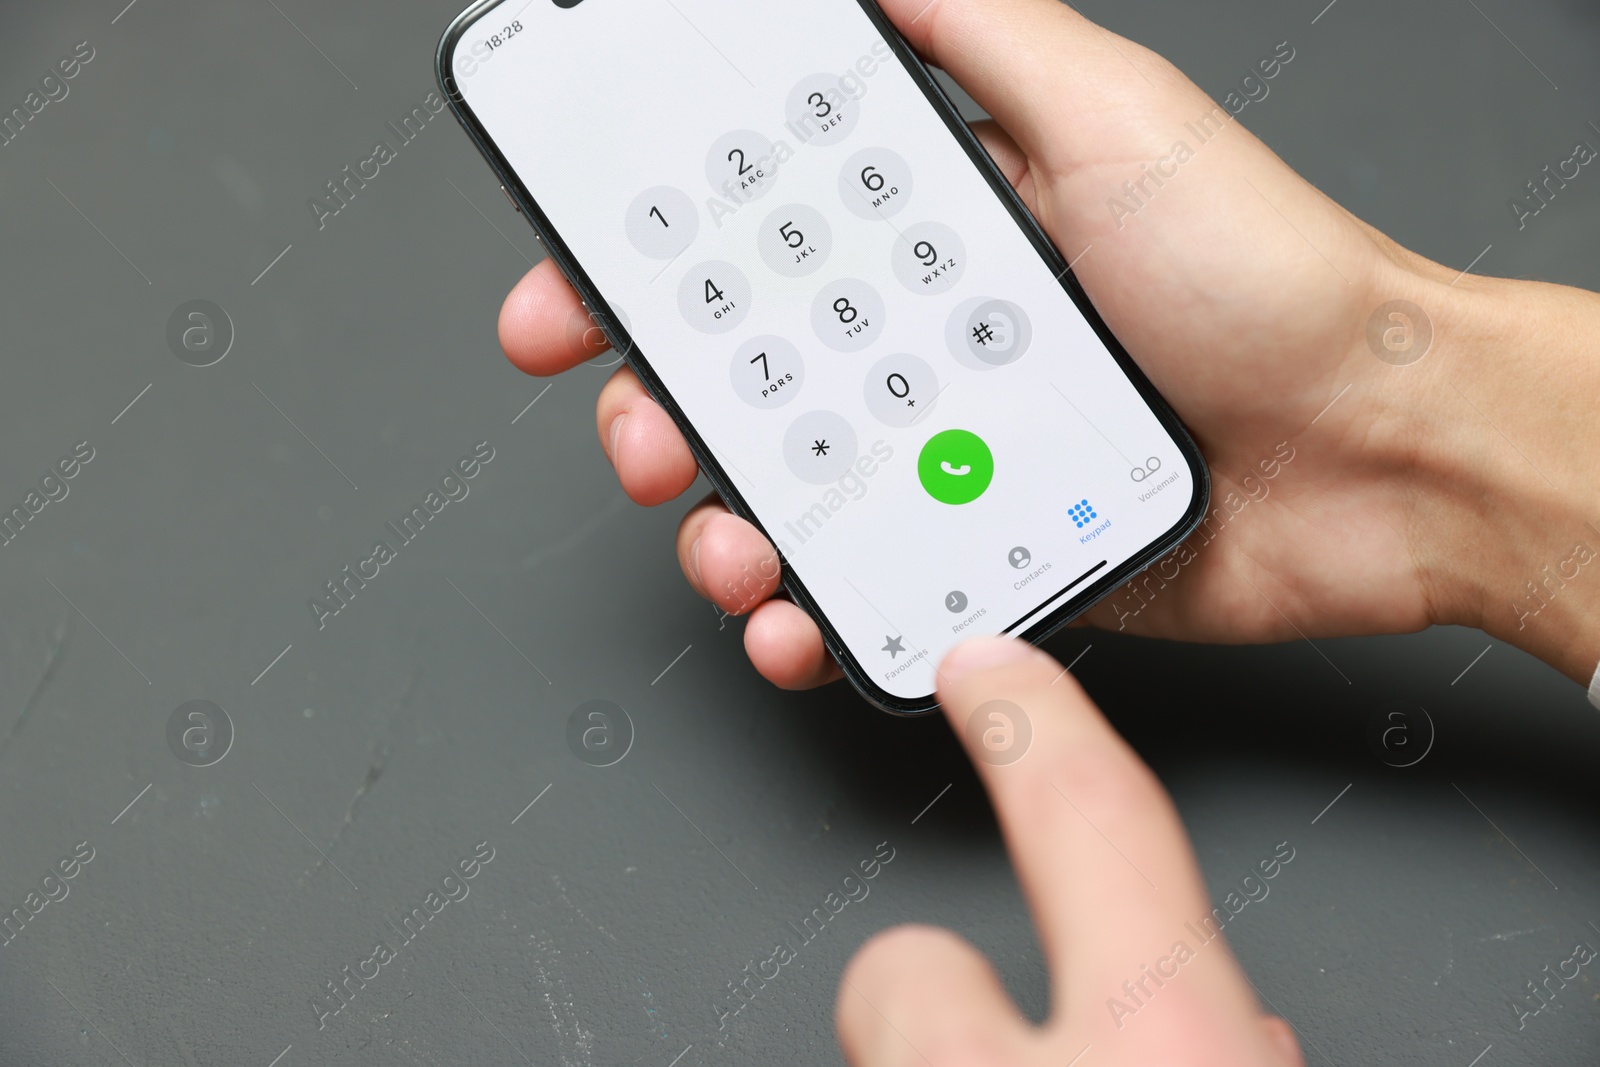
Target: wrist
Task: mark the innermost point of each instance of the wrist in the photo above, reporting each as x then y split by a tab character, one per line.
1506	508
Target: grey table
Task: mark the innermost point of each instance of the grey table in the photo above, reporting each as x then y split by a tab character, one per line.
412	732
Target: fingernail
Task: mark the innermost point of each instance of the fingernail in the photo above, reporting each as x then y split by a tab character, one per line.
613	434
984	654
694	563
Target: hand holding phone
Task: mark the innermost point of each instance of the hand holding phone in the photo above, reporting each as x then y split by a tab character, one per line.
1242	323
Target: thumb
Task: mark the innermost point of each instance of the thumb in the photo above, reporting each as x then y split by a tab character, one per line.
1029	62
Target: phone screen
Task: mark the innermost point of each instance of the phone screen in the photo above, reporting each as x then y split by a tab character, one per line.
882	365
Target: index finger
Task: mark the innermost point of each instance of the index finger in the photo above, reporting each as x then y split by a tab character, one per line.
544	327
1101	853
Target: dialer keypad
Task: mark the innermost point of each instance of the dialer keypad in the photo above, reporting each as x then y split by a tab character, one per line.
790	255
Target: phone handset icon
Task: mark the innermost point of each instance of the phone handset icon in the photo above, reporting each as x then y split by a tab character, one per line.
955	466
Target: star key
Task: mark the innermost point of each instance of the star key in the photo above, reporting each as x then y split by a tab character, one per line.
820	447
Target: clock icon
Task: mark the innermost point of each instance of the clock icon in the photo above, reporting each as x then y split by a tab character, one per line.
955	601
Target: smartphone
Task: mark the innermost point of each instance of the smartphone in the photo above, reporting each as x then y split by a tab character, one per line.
786	228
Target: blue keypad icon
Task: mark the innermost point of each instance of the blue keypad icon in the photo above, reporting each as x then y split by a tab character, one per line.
1082	513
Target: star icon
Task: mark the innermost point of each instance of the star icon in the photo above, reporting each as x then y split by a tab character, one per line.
894	647
821	447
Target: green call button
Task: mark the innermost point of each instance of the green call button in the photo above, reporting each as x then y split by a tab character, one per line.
955	466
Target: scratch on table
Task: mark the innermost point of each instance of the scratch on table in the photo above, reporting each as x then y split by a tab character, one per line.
577	538
58	645
561	890
375	769
650	1010
573	1039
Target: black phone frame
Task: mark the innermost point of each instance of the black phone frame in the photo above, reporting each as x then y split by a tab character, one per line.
597	305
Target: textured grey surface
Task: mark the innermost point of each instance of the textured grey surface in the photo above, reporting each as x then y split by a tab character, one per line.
379	751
